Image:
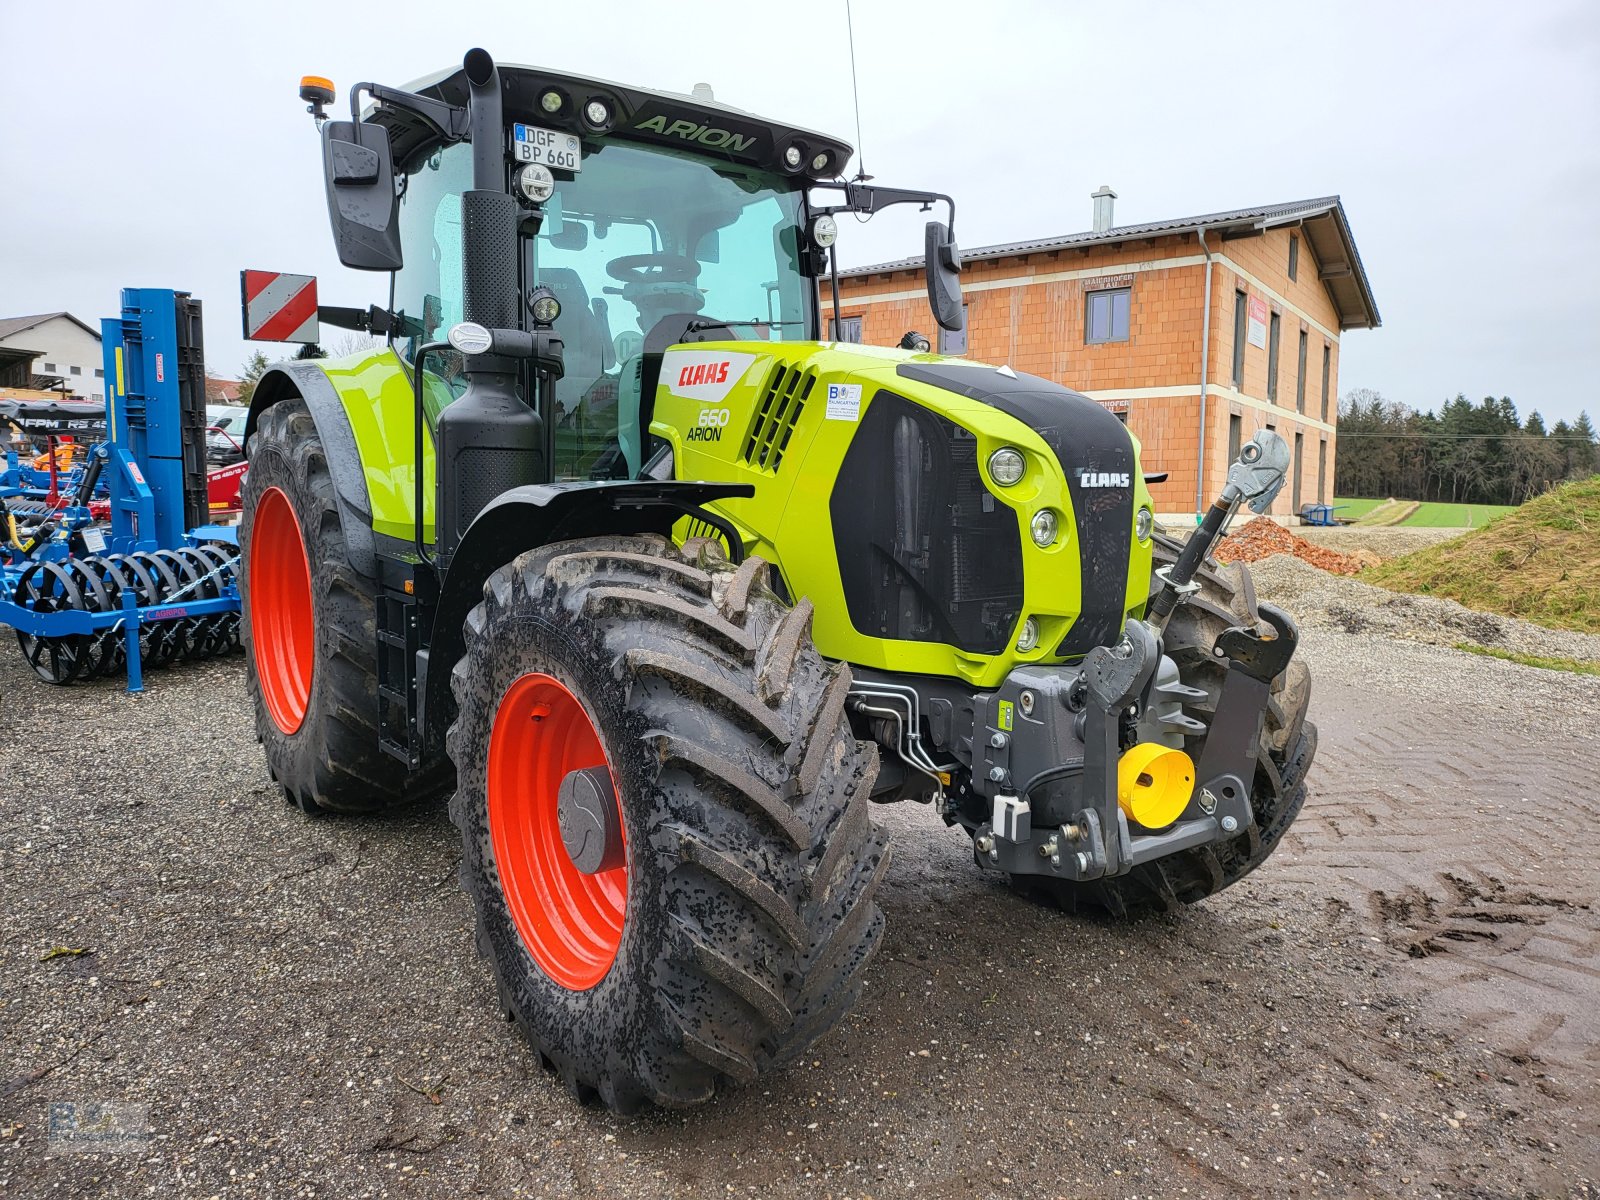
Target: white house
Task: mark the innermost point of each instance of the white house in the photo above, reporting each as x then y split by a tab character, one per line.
63	348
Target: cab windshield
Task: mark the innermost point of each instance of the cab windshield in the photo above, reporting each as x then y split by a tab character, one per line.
638	238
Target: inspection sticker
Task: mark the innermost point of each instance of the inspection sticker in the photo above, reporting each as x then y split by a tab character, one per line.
844	402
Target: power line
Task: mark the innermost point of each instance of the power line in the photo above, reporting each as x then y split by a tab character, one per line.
1466	437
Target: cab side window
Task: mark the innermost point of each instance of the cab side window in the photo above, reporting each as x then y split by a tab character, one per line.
427	290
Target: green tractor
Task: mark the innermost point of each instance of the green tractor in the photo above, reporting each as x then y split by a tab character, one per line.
666	592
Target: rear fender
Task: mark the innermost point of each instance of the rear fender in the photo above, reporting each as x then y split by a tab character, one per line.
524	518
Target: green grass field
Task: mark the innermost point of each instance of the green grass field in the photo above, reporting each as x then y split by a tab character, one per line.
1349	510
1431	515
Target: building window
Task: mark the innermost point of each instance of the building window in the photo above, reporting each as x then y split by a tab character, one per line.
99	396
1300	377
847	329
1274	333
76	370
49	368
1105	316
1294	256
1299	443
1322	471
99	372
1325	357
1239	317
1235	437
954	342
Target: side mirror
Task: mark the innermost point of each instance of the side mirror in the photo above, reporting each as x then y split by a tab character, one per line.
363	207
943	268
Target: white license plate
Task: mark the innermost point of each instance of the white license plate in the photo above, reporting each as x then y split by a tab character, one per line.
548	147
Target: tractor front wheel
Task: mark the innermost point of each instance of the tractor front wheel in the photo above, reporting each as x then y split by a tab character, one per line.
664	818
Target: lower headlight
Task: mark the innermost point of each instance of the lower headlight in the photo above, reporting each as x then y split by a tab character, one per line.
1029	637
1044	527
1143	524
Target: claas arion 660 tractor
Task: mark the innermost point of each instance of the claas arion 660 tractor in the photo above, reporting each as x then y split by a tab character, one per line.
666	592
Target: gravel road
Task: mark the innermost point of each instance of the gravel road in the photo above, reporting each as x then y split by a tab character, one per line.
1401	1002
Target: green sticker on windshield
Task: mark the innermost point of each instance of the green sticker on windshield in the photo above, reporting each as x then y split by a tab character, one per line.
1005	715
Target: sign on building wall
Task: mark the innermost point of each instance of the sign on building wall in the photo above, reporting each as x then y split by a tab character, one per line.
1258	322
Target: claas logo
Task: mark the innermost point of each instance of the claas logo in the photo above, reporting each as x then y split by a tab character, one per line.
715	372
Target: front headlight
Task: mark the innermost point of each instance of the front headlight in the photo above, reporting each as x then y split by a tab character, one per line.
1044	527
1144	523
1029	637
1006	466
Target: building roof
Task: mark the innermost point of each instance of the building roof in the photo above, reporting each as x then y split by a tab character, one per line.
1322	220
14	325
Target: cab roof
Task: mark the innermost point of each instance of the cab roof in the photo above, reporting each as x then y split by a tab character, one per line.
702	126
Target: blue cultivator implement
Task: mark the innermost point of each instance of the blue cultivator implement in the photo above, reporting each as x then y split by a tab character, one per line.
111	566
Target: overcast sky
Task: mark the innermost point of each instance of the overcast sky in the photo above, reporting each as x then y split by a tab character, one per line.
163	144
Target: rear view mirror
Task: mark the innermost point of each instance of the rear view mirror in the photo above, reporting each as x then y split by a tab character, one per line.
363	207
943	268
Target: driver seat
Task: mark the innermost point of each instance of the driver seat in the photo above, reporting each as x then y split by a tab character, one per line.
582	333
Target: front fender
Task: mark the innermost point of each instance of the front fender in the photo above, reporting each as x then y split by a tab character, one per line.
307	381
537	515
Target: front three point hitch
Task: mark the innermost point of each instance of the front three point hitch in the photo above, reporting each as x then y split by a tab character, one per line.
1098	841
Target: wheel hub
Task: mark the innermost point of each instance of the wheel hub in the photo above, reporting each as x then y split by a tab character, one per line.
591	827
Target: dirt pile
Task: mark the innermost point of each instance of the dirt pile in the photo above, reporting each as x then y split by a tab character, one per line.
1539	562
1264	537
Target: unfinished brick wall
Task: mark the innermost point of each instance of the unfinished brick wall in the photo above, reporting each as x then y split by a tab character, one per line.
1028	311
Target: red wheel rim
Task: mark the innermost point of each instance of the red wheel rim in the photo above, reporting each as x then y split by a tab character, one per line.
282	629
570	922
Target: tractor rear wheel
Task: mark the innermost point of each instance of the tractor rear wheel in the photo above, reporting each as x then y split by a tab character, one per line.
1288	743
308	625
724	910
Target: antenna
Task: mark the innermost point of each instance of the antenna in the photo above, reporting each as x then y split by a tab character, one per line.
855	90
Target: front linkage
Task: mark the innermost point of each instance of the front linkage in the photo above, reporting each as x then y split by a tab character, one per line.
1122	685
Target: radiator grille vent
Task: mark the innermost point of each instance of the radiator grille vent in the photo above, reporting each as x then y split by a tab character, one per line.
781	404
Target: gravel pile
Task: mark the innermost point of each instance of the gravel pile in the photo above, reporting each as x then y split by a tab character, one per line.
1320	600
1264	537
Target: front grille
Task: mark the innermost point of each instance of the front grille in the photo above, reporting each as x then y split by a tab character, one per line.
782	401
925	552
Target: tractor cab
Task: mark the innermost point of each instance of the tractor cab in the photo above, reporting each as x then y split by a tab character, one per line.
643	219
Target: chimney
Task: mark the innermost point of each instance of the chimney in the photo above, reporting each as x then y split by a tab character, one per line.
1103	200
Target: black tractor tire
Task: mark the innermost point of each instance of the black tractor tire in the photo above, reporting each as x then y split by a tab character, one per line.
1288	743
332	761
751	860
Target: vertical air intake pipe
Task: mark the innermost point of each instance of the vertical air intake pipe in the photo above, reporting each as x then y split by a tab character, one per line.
489	440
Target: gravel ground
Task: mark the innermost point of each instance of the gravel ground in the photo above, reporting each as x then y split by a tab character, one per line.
1385	543
1321	600
1402	1002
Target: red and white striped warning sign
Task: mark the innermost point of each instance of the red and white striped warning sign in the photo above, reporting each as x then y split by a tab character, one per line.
279	307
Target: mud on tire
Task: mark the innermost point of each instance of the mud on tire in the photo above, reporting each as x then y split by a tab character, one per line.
751	859
332	761
1288	743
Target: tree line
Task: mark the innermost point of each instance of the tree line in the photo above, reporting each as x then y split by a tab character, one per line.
1466	453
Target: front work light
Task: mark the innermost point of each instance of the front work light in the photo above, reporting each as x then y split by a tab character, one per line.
824	231
544	306
1006	466
1044	527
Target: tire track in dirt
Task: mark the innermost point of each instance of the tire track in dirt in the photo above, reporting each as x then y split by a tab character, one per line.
1473	852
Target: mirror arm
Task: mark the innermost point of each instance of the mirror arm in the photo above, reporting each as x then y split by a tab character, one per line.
446	120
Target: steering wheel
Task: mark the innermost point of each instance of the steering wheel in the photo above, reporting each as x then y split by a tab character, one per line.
653	268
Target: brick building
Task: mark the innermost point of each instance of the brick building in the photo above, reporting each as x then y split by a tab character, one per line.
1120	313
